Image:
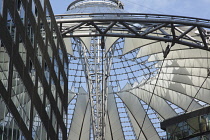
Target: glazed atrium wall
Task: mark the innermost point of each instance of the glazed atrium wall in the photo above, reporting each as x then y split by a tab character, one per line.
193	125
33	72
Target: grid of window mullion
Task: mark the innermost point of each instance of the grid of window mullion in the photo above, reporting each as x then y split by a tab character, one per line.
7	39
15	113
47	29
52	72
56	56
57	31
28	43
32	55
47	58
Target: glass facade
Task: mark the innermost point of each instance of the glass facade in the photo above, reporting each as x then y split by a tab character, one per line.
33	80
8	126
191	126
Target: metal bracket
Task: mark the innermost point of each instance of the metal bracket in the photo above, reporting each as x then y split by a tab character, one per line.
168	48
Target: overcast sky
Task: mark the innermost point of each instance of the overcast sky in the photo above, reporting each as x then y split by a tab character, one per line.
192	8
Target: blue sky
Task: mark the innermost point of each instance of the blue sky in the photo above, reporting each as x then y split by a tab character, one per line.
192	8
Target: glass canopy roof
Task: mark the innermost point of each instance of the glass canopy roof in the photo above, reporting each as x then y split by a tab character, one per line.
135	82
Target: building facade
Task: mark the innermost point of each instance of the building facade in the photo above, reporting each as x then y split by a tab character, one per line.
33	72
193	125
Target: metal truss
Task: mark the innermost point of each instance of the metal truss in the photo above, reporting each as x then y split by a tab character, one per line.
147	26
94	79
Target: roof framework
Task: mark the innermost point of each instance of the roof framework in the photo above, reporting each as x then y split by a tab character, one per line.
146	26
128	72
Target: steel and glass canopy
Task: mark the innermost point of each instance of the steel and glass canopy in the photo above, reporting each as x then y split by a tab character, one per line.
129	71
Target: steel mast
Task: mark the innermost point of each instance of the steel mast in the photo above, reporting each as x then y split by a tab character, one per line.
96	66
95	72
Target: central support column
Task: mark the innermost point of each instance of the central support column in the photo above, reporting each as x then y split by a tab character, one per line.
94	64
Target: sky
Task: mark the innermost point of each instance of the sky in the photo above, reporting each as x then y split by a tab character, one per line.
190	8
